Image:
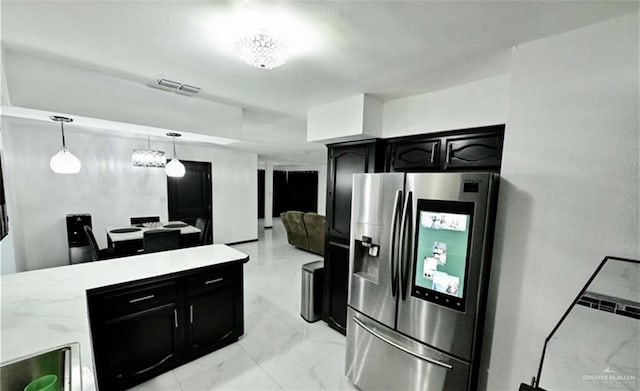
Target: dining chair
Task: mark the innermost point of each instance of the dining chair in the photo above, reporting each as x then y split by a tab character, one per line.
146	219
160	240
203	225
96	253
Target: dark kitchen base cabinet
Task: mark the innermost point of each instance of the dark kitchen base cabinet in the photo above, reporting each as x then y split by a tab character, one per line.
336	271
144	328
344	160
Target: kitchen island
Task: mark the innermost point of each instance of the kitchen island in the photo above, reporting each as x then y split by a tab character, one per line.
46	308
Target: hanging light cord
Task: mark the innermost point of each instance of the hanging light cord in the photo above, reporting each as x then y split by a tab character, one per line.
174	146
64	145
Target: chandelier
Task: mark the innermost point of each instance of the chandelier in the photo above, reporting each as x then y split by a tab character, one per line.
262	50
148	157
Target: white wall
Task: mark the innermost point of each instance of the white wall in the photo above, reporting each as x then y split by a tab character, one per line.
8	259
569	191
353	118
53	86
322	190
111	189
235	190
336	120
479	103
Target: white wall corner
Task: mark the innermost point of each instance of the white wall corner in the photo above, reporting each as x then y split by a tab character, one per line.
5	98
337	121
372	117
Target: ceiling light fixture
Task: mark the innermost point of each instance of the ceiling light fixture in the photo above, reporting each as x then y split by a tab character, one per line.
262	50
174	168
148	157
64	162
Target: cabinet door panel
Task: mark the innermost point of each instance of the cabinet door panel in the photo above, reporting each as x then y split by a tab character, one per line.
344	163
415	156
336	272
474	152
215	319
138	346
133	300
212	280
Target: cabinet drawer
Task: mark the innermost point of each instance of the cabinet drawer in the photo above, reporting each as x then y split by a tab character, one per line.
132	300
474	152
415	155
213	279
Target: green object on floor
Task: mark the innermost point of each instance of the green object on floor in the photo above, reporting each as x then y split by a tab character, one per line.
43	383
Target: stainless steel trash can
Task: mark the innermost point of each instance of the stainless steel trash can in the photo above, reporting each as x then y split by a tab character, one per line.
311	303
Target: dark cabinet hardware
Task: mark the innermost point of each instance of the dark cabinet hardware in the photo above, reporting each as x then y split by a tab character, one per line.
141	299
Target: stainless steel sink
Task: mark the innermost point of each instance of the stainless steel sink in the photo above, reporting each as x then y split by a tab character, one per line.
63	361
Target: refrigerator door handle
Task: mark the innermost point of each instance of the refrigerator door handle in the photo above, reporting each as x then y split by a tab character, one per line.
394	221
404	240
400	347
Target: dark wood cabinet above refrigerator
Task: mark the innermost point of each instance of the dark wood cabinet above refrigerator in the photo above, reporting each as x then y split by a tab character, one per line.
344	161
474	149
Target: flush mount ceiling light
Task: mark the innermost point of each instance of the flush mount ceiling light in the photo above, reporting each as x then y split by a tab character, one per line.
262	50
174	168
64	162
148	157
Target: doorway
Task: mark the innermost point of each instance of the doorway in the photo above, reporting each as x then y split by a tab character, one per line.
295	190
189	197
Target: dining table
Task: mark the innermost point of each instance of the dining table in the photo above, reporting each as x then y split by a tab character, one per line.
127	240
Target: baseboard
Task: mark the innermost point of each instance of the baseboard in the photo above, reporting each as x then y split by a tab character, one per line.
241	242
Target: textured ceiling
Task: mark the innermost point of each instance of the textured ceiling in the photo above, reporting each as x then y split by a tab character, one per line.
386	48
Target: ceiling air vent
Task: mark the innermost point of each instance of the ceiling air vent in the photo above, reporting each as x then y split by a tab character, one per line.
175	86
189	89
168	83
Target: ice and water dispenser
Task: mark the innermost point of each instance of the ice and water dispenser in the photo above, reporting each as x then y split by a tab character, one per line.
367	252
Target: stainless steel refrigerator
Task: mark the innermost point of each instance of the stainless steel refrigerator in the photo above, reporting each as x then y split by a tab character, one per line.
418	274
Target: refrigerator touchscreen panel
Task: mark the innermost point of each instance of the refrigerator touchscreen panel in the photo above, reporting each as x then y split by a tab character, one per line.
441	259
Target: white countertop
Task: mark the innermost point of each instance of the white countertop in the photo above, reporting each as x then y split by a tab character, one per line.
46	308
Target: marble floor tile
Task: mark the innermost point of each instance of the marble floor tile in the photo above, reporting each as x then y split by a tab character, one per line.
204	364
165	382
279	350
289	358
240	372
326	375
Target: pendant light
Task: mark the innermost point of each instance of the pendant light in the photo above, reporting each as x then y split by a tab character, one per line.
174	168
148	157
64	162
